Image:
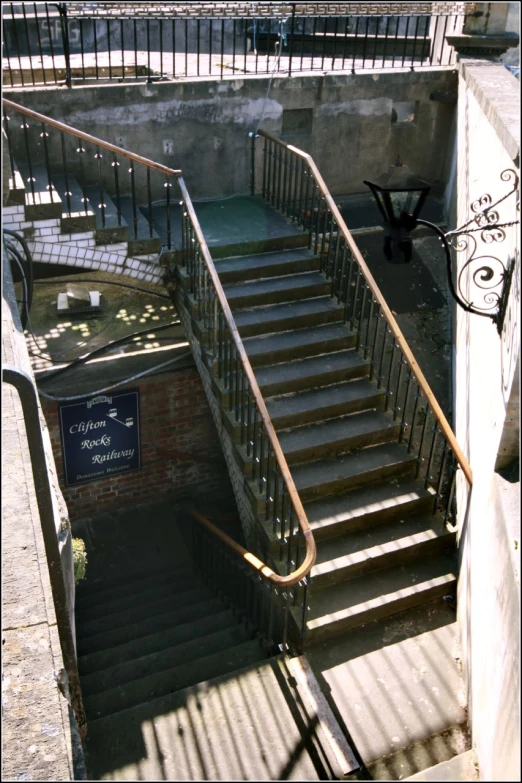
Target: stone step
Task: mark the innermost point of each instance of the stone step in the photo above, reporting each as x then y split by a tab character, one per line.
464	766
370	549
16	188
337	436
171	600
143	239
362	508
291	315
298	343
186	631
42	202
162	683
368	466
149	625
286	262
163	658
311	372
215	731
77	215
338	607
91	592
273	290
135	600
110	228
327	402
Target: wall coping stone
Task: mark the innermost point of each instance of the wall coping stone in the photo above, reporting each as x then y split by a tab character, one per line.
498	94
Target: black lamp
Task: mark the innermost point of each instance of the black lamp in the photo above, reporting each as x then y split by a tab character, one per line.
399	196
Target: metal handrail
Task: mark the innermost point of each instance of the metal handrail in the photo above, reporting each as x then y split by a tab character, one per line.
92	139
304	569
379	298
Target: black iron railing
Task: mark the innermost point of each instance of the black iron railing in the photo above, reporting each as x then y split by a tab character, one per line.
67	43
269	483
51	161
245	583
292	184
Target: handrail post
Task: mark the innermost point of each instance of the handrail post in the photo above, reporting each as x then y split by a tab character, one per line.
62	9
29	400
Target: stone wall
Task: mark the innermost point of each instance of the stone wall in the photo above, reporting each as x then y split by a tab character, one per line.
359	123
180	450
486	394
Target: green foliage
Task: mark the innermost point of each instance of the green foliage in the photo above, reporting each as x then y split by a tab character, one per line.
79	559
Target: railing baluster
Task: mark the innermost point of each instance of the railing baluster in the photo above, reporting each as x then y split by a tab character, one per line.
135	34
102	205
149	203
222	47
109	47
115	165
134	204
17	45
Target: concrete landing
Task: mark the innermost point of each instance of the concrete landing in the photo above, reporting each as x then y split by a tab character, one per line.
242	726
234	226
461	767
394	685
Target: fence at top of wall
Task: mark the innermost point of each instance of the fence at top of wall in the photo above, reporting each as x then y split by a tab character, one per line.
80	43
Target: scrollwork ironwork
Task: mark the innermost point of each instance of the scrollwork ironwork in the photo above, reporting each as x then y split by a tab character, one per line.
484	281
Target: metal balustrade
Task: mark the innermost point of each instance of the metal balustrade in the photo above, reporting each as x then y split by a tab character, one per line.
70	43
292	184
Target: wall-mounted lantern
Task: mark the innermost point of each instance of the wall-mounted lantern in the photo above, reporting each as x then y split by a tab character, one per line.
483	284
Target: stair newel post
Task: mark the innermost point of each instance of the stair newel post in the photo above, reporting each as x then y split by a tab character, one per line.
380	376
389	392
286	597
62	10
80	150
335	266
359	343
405	404
115	165
134	205
438	494
435	431
65	173
50	37
29	52
380	320
17	45
149	203
25	127
265	165
414	415
369	322
9	145
304	609
44	135
98	157
426	415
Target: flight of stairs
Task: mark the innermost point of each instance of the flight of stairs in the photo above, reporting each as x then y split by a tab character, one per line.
381	550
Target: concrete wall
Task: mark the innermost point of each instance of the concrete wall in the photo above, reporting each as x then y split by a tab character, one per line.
39	736
486	368
353	135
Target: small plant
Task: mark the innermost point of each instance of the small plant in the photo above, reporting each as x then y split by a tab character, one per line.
79	559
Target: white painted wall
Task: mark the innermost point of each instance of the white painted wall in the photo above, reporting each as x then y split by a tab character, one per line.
485	383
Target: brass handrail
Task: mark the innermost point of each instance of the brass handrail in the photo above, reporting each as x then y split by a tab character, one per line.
87	137
394	326
302	520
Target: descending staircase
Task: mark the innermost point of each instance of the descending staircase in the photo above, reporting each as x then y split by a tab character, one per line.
380	548
161	649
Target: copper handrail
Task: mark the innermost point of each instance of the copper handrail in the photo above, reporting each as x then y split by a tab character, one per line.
379	298
87	137
302	520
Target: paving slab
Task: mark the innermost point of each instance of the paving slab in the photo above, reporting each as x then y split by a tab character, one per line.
395	682
461	767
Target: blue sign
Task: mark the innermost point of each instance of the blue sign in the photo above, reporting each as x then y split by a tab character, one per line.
100	436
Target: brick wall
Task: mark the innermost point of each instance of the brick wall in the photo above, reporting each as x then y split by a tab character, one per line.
180	451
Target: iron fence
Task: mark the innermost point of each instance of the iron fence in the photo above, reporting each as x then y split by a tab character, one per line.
71	43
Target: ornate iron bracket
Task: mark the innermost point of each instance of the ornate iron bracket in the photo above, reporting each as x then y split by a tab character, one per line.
484	282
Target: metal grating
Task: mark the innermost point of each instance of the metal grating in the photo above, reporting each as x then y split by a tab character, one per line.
297	120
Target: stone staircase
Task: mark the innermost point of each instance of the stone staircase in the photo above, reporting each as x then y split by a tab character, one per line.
172	676
381	550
